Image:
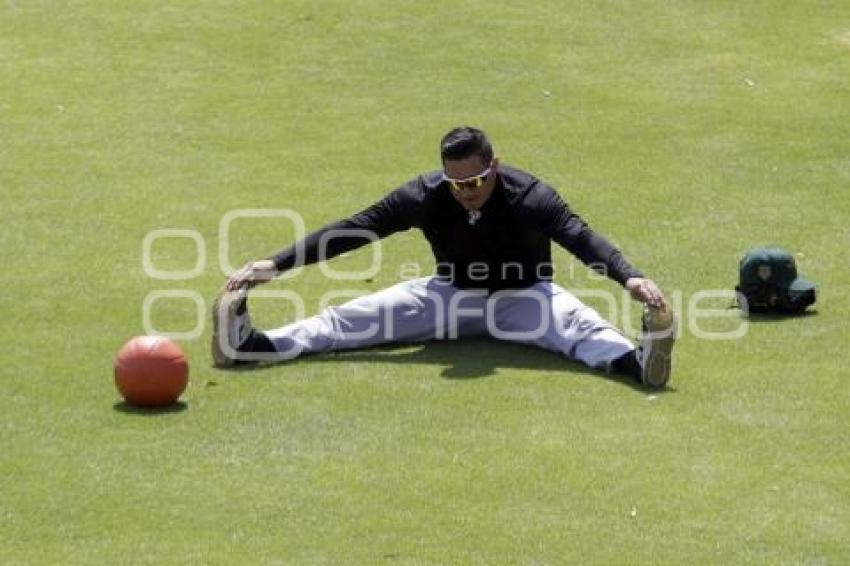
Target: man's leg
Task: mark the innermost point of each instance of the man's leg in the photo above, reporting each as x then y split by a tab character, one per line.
547	316
412	311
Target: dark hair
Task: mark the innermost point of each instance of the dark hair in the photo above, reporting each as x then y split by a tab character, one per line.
464	142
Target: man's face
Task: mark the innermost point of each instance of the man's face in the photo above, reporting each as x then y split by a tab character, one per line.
468	169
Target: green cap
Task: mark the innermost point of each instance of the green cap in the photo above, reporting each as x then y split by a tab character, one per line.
774	267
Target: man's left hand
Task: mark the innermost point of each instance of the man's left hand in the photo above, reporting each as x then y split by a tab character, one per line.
645	291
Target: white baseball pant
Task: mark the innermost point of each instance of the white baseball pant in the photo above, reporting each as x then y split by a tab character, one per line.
543	315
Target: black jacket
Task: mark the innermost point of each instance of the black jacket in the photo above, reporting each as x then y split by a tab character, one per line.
508	246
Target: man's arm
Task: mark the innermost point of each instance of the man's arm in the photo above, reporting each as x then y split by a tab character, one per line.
393	213
572	233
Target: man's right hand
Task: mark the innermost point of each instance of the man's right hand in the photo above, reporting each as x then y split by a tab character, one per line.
252	274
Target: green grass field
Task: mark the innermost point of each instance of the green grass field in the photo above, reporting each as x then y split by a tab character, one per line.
686	131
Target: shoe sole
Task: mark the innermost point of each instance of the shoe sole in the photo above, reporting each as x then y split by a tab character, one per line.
662	333
220	359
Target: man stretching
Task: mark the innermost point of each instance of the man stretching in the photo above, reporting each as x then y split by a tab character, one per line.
490	227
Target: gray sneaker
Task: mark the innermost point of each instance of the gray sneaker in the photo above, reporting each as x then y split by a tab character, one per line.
231	327
655	351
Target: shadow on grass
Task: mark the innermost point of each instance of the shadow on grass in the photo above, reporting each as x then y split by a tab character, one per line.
127	408
470	358
775	318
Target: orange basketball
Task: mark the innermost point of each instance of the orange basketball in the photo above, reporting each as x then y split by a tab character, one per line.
151	371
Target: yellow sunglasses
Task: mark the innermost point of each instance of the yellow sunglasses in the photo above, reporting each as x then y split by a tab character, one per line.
470	183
